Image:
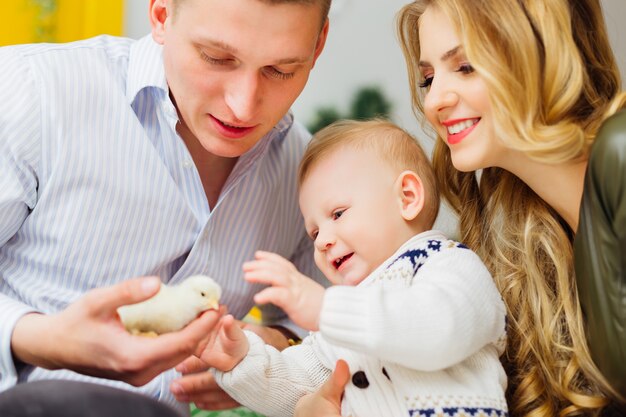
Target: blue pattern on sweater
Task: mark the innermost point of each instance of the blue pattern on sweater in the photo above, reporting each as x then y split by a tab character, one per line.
418	256
457	411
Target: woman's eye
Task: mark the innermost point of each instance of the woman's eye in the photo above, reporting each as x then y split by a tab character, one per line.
466	69
314	234
337	214
427	82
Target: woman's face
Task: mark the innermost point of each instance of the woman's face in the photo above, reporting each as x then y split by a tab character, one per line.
456	102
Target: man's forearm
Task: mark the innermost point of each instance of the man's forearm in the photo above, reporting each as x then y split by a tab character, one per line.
30	338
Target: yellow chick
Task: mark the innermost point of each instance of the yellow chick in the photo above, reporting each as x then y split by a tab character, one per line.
172	307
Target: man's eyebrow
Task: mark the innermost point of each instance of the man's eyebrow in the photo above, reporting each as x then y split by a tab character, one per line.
221	45
452	52
295	60
232	50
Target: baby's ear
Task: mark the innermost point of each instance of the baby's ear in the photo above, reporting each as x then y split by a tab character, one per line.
411	194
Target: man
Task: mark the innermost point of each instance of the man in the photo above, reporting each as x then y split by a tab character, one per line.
169	156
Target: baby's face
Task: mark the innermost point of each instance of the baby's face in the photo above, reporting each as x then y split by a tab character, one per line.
352	211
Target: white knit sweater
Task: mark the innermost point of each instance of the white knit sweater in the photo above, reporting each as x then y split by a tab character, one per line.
421	335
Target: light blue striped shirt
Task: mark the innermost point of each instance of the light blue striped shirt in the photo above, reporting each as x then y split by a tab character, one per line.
97	187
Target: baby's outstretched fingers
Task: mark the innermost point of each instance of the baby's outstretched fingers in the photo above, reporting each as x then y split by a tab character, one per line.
275	295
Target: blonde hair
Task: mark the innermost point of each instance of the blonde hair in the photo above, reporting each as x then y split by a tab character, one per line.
552	81
394	145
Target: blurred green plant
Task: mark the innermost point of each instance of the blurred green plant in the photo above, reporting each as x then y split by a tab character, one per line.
323	117
368	102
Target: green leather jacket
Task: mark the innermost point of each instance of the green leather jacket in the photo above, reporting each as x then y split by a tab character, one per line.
600	251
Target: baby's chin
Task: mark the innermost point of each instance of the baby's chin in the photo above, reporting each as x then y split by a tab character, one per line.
353	280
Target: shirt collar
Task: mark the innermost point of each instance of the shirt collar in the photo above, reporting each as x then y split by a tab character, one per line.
145	67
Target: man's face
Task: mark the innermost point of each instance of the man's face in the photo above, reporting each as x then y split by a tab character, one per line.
235	67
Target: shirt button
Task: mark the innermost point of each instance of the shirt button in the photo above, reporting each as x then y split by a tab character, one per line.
359	379
187	163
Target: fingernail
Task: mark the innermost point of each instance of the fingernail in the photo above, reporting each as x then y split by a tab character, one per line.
148	285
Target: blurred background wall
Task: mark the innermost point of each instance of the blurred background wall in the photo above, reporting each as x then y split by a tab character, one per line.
362	50
60	20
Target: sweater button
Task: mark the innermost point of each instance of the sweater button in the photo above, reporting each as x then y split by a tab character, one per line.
359	379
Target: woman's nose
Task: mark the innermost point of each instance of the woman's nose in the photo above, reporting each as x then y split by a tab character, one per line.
440	96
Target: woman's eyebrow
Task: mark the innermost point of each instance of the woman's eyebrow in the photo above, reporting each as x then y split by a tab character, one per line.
446	56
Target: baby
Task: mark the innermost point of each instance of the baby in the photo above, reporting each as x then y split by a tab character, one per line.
416	316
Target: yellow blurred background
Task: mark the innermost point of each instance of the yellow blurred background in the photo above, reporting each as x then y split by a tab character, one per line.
29	21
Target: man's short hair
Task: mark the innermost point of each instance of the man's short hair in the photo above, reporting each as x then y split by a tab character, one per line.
324	4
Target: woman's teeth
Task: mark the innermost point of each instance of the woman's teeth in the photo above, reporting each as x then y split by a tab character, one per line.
461	126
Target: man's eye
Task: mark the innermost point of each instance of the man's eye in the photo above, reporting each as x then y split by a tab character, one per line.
275	73
214	61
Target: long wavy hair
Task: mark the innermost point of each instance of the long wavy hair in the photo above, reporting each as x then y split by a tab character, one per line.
552	81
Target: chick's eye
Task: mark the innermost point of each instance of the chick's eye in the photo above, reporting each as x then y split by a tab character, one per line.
337	214
202	293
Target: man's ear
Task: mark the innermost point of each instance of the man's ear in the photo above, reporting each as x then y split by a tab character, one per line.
321	41
159	12
410	194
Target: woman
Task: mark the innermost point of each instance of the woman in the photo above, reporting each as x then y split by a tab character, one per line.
519	90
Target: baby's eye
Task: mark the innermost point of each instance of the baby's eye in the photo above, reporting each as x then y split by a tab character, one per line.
337	214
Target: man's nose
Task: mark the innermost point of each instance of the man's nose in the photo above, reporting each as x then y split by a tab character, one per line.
244	96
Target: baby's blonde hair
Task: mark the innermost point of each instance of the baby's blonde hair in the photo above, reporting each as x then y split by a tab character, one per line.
552	81
394	145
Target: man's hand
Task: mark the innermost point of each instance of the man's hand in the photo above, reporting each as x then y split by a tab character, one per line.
325	402
298	295
88	337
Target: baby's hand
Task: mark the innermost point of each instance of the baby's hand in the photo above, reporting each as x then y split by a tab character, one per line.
298	295
227	346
